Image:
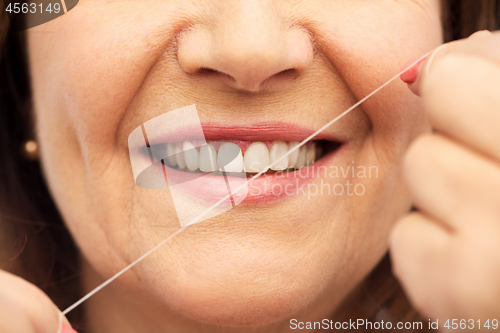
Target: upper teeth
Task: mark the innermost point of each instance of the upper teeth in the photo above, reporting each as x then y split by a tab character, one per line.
278	149
208	158
256	157
229	158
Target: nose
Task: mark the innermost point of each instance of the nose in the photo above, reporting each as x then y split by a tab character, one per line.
248	45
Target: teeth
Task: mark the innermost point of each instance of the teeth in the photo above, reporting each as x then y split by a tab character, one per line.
292	158
191	155
278	149
172	161
311	154
208	158
256	157
230	158
301	158
179	156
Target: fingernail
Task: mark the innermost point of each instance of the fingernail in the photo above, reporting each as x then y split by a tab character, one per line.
411	74
67	329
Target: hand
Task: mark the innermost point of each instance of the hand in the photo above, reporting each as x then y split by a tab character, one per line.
26	309
447	254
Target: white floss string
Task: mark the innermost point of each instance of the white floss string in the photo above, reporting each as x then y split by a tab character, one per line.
431	58
60	322
196	219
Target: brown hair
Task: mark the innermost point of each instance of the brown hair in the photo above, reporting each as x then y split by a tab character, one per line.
35	242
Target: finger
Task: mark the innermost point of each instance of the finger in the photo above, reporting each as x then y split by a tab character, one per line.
13	320
460	84
418	247
484	44
28	304
461	98
453	184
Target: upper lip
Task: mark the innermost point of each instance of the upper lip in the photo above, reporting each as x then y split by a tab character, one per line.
265	131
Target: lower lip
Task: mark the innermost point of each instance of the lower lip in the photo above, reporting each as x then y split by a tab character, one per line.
263	189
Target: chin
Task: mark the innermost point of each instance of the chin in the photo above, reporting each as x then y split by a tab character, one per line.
252	304
245	287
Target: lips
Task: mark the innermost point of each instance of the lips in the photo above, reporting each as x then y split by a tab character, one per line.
244	148
234	153
267	187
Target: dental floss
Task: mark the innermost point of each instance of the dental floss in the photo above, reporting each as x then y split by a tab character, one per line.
60	322
193	221
431	58
65	9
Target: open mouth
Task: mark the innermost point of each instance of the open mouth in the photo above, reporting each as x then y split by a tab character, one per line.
202	165
237	156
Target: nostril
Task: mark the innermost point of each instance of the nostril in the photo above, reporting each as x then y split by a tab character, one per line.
206	70
287	73
253	63
210	72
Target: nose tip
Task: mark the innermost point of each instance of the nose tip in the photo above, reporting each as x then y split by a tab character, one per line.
246	59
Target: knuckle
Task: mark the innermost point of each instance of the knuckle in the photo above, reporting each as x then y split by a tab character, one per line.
431	155
418	157
482	43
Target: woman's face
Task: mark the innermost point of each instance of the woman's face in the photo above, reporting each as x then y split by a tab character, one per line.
274	70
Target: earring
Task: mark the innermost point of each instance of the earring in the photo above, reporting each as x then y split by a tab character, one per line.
30	150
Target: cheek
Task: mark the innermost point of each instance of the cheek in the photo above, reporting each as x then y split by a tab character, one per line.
85	71
367	49
368	52
92	67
